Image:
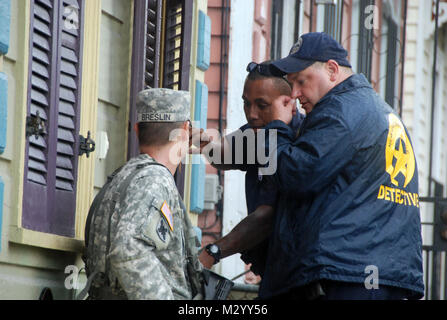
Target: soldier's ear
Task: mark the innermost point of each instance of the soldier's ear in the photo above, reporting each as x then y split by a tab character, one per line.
135	128
185	129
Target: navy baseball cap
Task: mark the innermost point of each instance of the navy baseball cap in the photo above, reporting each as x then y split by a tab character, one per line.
311	47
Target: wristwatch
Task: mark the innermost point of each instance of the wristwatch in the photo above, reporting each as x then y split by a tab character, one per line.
214	251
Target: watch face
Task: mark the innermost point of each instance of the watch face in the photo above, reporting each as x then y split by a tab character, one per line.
214	249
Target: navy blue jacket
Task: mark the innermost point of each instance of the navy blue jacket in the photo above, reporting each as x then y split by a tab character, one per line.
348	196
257	193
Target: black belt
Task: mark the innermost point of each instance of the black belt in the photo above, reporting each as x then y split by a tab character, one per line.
311	291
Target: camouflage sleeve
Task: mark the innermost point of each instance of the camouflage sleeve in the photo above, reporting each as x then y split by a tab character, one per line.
137	267
142	278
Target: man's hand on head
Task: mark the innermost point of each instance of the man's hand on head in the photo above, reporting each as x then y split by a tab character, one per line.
283	108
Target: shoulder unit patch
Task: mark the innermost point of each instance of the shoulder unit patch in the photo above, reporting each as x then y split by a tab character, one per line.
162	230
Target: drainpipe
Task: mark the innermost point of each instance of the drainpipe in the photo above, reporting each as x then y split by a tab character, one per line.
223	62
225	7
297	21
433	93
311	15
223	59
404	35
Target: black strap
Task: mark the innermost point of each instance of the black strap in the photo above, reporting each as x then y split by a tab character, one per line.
95	204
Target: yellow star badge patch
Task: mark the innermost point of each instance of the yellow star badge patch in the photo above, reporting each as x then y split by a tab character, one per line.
167	214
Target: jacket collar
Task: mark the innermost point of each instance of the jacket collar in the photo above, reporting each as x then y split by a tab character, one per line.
353	82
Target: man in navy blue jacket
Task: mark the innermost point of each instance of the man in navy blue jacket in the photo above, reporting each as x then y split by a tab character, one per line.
261	88
347	221
347	224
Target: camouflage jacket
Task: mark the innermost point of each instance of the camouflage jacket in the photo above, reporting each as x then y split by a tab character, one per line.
152	246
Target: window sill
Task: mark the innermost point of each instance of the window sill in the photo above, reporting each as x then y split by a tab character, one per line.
44	240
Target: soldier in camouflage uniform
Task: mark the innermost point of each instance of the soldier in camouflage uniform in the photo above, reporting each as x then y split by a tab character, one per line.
141	244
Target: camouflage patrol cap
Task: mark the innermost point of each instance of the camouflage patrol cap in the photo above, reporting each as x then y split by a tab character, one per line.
163	105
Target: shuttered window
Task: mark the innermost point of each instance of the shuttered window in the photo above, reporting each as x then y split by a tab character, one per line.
177	50
145	57
161	51
173	46
49	198
152	47
176	56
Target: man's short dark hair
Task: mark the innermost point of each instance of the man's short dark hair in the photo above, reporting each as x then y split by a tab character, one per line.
156	133
280	83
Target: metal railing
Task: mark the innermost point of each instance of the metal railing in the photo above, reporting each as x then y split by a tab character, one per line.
434	249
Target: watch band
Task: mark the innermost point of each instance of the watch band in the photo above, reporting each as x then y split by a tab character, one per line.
215	255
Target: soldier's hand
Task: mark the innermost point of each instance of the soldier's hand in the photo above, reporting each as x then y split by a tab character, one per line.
198	139
206	260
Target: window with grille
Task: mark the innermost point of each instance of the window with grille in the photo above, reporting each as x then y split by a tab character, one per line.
51	156
365	40
286	26
277	26
390	47
329	17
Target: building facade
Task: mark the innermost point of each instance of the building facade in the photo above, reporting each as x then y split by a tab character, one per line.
400	47
70	70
